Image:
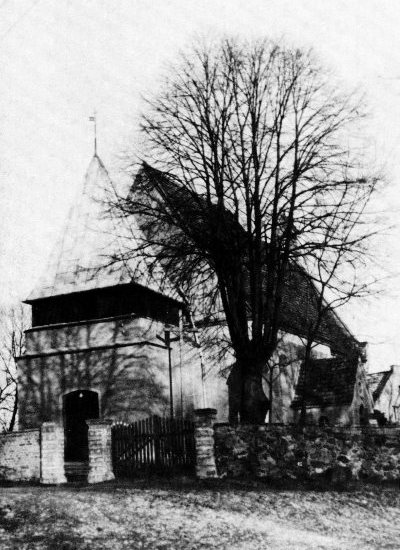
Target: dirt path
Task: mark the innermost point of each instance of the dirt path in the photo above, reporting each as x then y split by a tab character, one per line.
159	518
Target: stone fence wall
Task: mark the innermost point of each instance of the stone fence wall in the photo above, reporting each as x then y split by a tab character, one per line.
286	451
38	455
33	455
270	451
20	456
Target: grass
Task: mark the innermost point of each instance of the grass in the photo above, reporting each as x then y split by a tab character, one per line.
160	514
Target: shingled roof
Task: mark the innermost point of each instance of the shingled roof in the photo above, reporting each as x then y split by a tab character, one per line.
299	304
85	256
326	382
377	381
299	308
79	261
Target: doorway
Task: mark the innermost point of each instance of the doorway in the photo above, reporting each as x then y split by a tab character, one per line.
78	406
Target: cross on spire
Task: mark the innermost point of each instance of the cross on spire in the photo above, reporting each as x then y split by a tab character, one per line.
93	119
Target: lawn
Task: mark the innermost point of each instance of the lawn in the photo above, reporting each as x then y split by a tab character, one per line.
188	515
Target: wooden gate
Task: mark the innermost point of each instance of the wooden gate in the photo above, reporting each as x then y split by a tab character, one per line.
154	445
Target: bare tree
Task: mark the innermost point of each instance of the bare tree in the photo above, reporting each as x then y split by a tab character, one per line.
334	280
255	147
13	322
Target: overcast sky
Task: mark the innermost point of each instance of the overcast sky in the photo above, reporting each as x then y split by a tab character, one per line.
61	59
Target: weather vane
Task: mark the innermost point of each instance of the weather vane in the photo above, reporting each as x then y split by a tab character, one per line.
94	120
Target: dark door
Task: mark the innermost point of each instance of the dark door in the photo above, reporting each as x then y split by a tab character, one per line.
79	406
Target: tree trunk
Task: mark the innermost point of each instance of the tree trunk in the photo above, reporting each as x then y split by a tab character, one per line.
255	404
247	399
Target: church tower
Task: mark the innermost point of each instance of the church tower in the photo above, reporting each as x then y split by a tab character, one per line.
95	347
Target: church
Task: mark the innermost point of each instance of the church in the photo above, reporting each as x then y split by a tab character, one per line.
105	341
108	341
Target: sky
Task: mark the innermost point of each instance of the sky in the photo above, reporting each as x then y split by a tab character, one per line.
62	59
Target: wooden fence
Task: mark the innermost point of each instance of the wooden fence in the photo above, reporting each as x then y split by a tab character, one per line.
153	445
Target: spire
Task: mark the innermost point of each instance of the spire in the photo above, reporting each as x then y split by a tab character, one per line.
93	119
91	237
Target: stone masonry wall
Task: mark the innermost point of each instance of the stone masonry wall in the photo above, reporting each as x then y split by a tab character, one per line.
100	454
277	452
132	381
52	454
204	443
20	456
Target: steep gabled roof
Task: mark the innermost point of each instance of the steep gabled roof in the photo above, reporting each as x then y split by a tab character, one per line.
300	293
327	382
92	251
299	309
377	381
80	260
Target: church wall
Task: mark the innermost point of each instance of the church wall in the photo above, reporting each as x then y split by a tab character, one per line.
91	334
130	383
388	401
199	391
333	415
132	380
283	392
362	406
343	414
284	376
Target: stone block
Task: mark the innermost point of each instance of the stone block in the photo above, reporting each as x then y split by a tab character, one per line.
52	454
204	442
100	454
20	455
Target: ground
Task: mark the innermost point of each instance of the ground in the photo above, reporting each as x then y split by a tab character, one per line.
188	515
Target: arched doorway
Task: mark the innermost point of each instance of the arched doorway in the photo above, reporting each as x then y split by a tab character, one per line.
79	406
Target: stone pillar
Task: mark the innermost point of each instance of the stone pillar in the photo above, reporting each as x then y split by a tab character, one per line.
100	459
204	440
52	454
